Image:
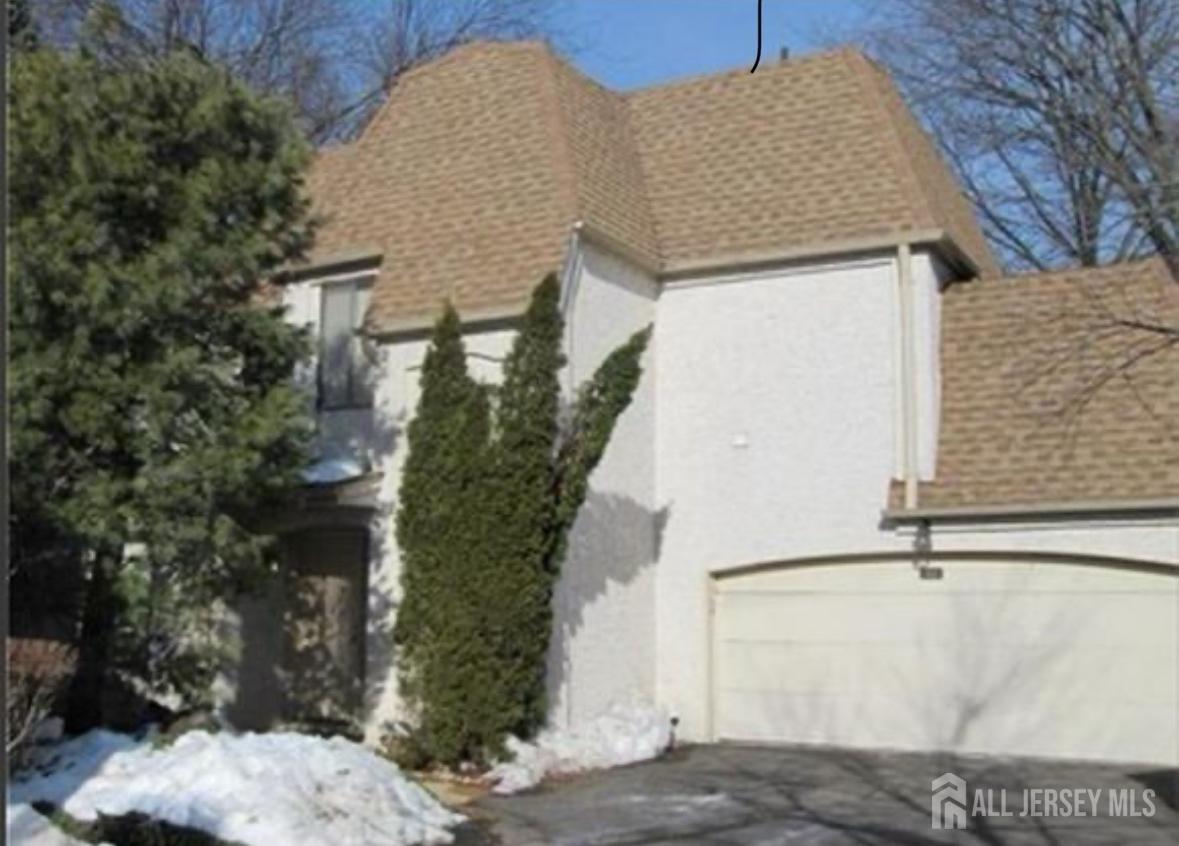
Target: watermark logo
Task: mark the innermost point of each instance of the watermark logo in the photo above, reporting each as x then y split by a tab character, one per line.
951	805
948	804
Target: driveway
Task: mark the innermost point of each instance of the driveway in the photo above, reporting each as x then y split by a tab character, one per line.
789	795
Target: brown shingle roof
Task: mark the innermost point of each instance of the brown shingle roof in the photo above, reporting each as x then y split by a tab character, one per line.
809	151
472	174
1047	399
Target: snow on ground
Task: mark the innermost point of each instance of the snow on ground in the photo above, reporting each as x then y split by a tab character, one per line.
256	789
28	828
623	735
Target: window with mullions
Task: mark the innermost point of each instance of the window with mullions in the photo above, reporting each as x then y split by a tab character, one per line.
345	368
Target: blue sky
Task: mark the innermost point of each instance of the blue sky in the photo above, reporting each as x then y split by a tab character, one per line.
631	43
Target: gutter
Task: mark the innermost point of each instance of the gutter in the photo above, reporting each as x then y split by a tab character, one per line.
422	325
1163	507
937	239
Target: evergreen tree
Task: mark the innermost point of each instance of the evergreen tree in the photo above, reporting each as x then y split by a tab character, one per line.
485	513
443	660
22	30
522	508
151	401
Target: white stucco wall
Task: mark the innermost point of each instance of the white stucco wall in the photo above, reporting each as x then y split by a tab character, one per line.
775	437
603	646
766	427
603	639
778	430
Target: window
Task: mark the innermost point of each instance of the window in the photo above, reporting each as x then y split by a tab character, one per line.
345	368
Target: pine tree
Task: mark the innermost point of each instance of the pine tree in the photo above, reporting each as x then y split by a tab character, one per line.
151	400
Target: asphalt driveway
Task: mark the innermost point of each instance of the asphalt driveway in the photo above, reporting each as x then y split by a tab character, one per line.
789	795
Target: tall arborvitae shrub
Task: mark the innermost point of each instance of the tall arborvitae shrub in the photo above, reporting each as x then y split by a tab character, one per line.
522	507
485	514
443	659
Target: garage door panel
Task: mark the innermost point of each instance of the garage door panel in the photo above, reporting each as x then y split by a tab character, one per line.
810	616
1026	658
1109	617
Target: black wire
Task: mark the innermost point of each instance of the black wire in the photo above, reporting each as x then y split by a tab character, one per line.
758	59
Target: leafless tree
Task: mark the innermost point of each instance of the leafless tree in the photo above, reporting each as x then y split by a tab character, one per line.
1060	116
37	672
333	59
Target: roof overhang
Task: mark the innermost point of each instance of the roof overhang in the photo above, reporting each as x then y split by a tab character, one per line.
420	326
1082	509
935	239
503	316
345	261
639	258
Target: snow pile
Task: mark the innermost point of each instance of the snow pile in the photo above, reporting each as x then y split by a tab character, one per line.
61	769
256	789
623	735
28	828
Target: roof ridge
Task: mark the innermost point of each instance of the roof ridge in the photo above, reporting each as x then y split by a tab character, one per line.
902	164
431	64
740	72
641	165
558	127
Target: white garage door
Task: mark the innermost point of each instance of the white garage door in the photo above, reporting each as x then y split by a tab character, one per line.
1003	657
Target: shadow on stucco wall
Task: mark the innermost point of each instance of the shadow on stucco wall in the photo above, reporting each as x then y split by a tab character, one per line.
614	543
383	597
261	689
384	587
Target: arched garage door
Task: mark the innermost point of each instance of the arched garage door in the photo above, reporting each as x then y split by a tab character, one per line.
1042	657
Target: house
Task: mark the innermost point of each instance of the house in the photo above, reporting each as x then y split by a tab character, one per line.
869	492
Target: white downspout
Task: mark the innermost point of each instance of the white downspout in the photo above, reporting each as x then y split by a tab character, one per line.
569	279
908	374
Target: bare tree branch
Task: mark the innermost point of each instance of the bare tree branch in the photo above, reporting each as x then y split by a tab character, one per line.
1060	116
334	60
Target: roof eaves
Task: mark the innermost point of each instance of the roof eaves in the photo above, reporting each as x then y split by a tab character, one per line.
1157	507
421	324
672	270
640	258
343	261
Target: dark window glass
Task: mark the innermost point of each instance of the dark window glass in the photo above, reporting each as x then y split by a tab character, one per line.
345	369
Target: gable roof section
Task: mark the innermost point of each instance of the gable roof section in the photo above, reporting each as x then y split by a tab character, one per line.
1046	400
471	176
